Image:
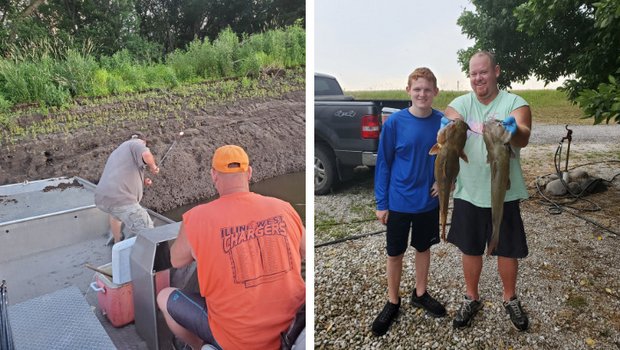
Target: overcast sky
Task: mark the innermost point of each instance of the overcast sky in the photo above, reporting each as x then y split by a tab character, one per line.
374	45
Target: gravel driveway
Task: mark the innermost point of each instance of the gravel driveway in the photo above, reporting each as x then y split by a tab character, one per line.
548	134
569	284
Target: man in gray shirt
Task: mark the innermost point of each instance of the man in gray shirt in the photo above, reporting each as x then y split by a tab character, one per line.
121	185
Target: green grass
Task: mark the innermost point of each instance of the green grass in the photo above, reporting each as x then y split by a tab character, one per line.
59	80
552	107
156	106
329	227
548	106
576	301
365	211
441	101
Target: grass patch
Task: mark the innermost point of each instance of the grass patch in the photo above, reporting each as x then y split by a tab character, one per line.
553	107
365	211
548	106
441	101
66	76
157	106
325	223
576	301
327	228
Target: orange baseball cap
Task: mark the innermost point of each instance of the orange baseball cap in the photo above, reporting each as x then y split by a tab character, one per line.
230	159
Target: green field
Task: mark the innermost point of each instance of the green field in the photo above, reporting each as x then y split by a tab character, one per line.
548	106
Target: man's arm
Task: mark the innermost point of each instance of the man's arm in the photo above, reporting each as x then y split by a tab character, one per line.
451	113
523	116
302	245
149	160
181	252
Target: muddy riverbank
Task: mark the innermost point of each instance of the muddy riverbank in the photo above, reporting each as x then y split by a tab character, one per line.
269	123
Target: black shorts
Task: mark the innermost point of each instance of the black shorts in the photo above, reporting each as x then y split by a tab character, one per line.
471	230
424	231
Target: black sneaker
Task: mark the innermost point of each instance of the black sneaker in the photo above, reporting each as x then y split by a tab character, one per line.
428	303
517	315
466	313
385	318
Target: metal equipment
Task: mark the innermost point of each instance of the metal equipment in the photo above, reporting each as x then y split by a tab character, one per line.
6	336
151	255
569	137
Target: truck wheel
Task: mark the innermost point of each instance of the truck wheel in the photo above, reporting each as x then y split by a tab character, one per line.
325	175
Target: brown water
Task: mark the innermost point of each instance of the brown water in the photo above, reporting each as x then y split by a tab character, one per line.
289	187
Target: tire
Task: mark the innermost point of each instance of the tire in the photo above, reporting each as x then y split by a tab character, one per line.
325	174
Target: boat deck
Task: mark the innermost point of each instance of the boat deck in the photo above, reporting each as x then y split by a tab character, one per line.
49	231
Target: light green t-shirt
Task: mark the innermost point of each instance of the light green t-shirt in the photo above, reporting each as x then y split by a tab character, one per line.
473	183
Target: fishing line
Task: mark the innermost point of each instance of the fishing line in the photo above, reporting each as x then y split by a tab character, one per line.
161	162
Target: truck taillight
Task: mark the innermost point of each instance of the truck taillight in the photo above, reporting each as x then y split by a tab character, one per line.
370	127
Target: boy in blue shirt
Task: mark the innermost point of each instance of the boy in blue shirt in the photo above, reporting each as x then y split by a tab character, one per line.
406	194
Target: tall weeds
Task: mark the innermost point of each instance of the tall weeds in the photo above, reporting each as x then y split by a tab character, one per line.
50	73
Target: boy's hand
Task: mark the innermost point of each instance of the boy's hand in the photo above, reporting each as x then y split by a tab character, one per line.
382	215
510	124
435	189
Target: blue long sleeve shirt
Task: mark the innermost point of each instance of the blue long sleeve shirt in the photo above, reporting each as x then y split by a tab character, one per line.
404	172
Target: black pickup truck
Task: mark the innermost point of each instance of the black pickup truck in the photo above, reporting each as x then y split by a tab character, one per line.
346	132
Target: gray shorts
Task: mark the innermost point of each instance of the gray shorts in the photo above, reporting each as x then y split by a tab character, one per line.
190	311
134	216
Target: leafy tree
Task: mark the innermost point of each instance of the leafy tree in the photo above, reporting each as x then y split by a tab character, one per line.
147	28
55	26
175	23
550	39
286	12
108	24
14	18
494	28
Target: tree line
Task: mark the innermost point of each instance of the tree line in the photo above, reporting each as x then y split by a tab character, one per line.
53	51
148	29
550	39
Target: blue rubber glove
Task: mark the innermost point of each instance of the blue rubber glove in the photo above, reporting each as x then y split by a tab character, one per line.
510	124
444	121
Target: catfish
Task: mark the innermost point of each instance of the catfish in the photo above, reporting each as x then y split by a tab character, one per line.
497	139
449	148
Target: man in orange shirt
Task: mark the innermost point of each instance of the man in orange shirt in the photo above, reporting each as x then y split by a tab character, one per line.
248	250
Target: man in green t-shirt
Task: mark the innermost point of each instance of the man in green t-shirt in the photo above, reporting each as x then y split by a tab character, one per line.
471	224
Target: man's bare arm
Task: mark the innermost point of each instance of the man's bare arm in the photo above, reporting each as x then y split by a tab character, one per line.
181	252
302	245
451	113
149	160
523	116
